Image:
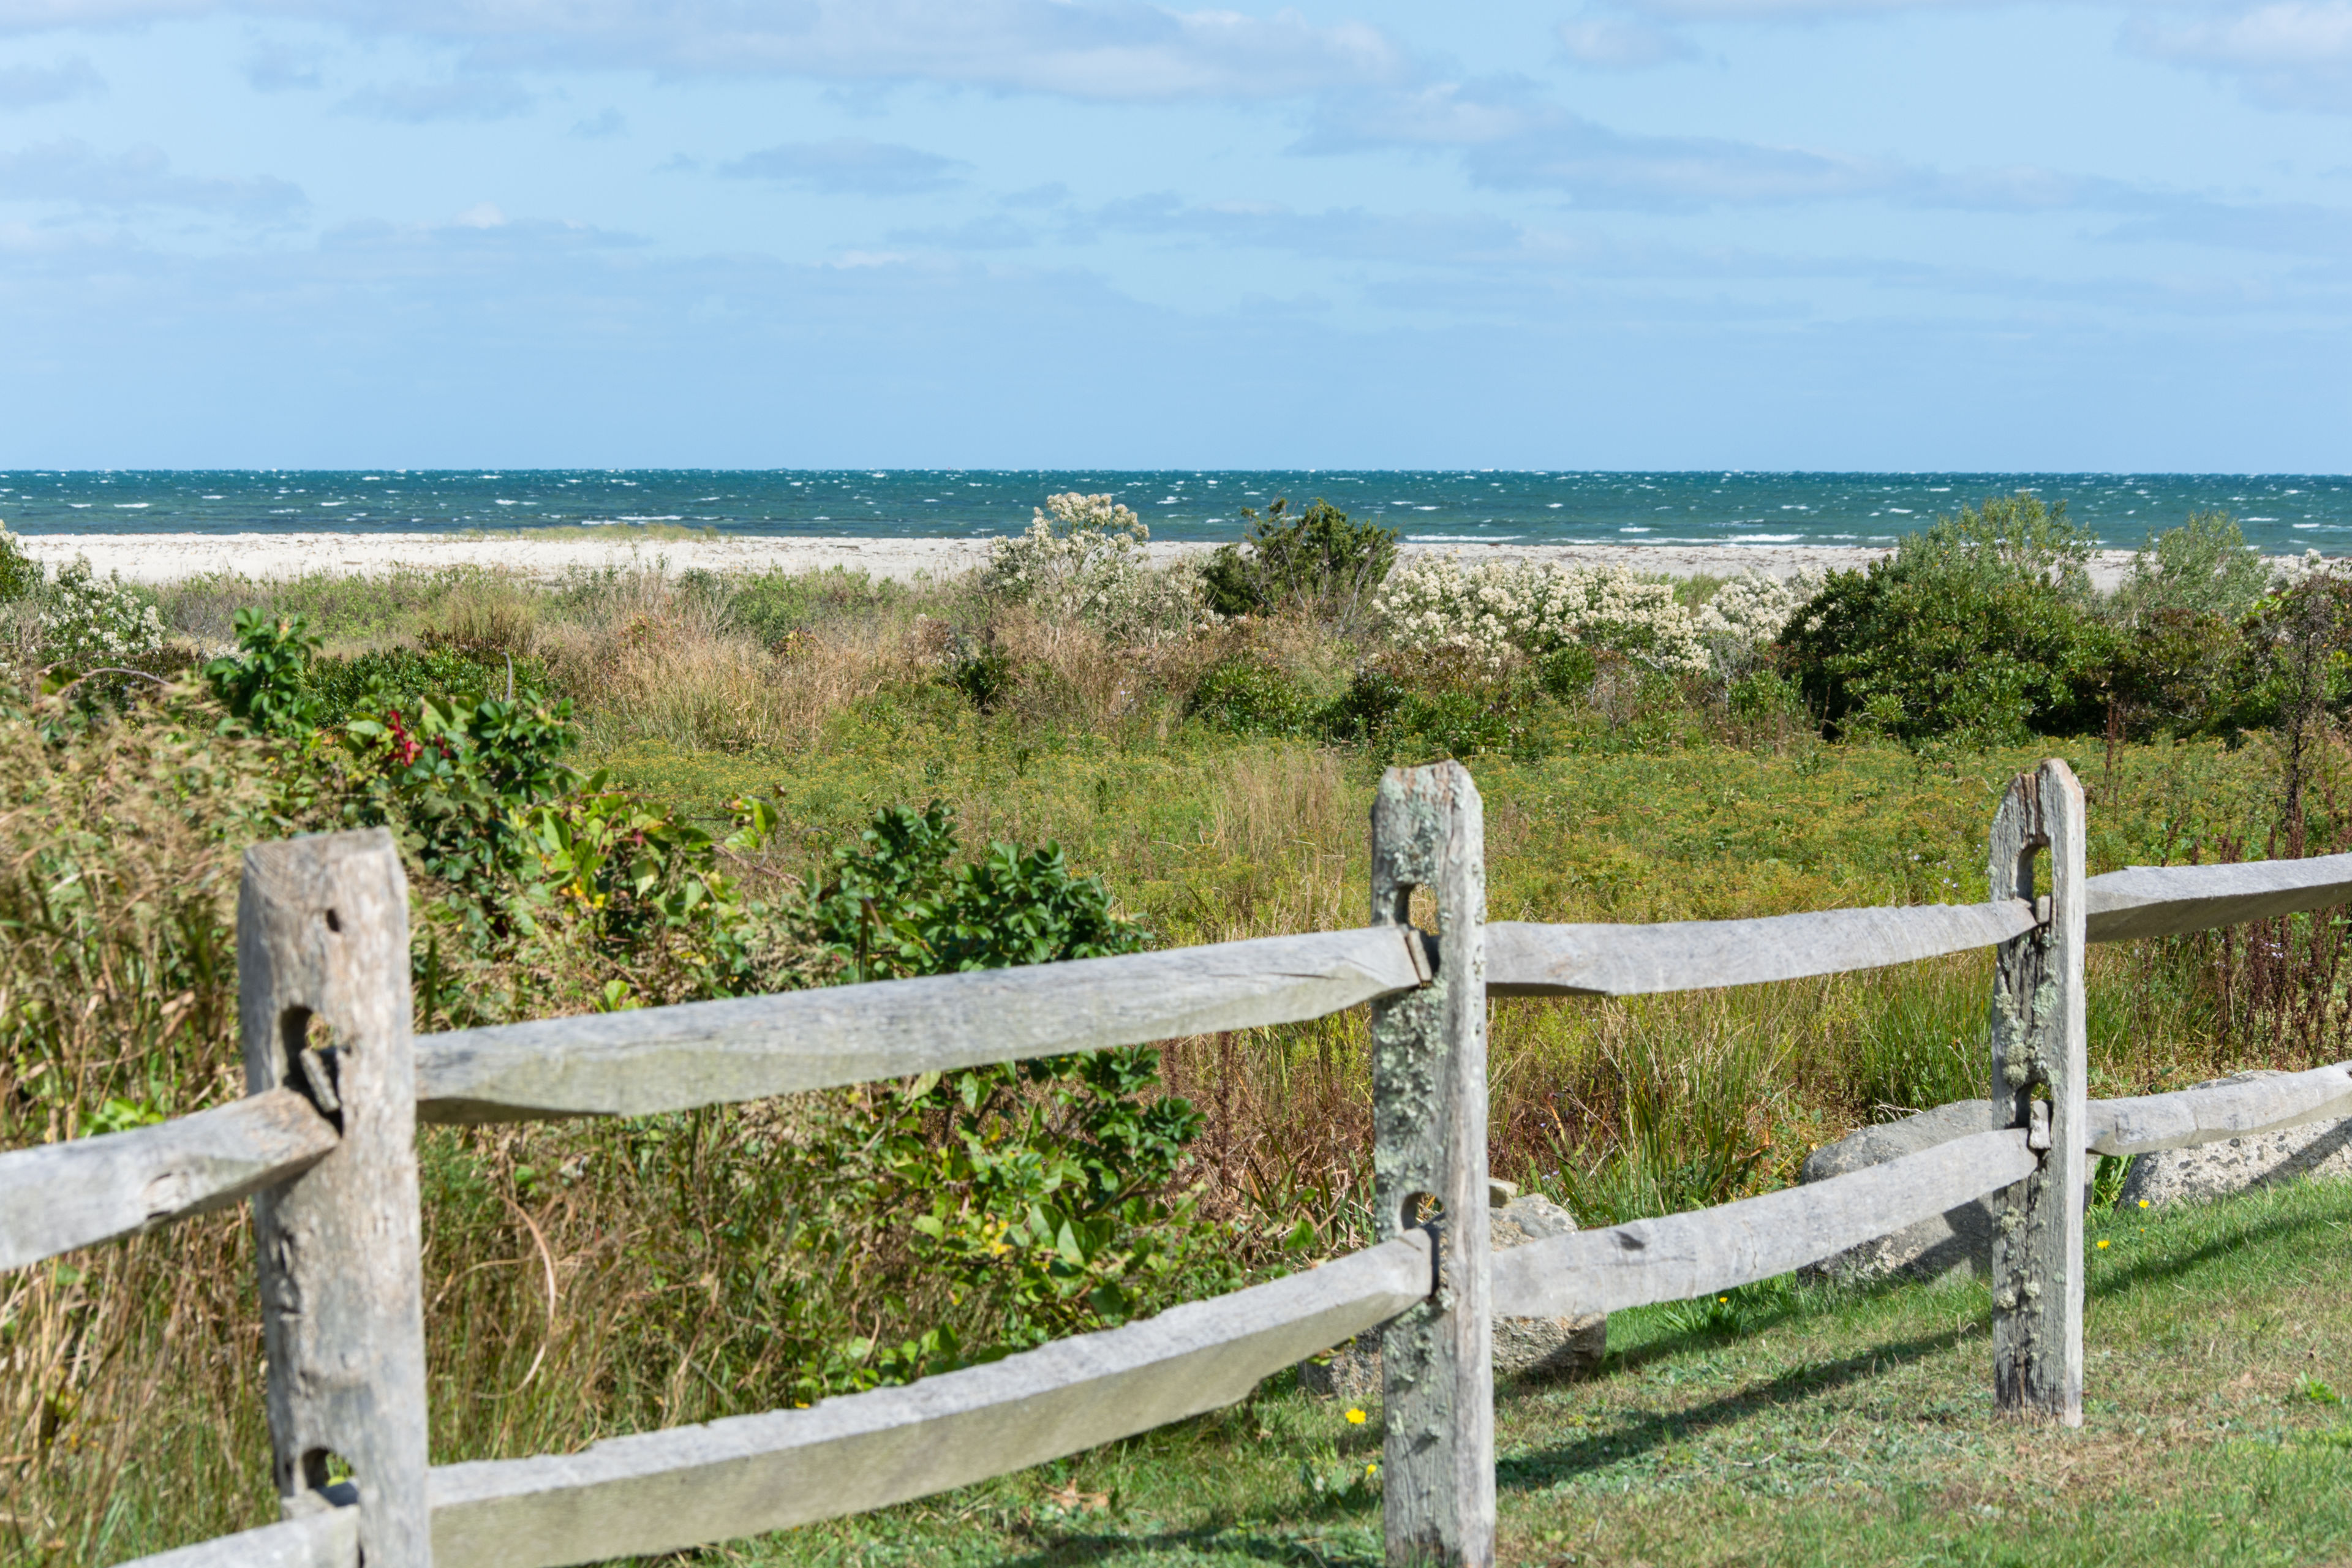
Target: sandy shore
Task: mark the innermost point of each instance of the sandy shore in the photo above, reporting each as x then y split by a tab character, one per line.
174	557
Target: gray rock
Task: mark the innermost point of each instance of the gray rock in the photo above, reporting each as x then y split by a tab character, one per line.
2212	1170
1527	1350
1958	1239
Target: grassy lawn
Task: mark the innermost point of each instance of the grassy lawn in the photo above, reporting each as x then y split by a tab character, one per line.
1793	1426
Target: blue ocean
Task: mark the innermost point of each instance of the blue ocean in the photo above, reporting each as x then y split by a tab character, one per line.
2280	512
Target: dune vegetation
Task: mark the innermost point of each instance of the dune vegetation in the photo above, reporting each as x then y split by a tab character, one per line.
639	786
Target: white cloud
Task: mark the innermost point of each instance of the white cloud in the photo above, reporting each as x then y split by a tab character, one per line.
29	87
610	122
1508	137
849	165
1620	43
74	172
418	102
2293	54
274	67
1094	49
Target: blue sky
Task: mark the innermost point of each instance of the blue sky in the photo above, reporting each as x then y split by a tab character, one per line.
1771	234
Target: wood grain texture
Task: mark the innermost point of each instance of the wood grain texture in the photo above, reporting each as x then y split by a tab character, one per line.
317	1537
1683	1255
1529	960
663	1492
323	940
705	1053
1429	1141
63	1195
2163	900
2146	1123
2039	1070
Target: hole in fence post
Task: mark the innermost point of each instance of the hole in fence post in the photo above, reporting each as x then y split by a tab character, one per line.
1420	909
327	1480
313	1061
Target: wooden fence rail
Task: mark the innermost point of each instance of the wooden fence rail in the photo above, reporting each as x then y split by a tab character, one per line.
323	1145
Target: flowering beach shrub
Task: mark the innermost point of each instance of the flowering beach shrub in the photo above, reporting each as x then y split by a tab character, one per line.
1083	557
1746	616
87	619
1489	611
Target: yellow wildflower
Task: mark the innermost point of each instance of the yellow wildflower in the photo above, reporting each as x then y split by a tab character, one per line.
1355	1418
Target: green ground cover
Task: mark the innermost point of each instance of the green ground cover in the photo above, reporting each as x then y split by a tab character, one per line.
1794	1426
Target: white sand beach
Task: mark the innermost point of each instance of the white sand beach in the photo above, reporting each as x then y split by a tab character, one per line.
174	557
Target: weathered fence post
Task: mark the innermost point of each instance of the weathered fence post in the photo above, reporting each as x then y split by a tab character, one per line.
1429	1120
322	996
2038	1079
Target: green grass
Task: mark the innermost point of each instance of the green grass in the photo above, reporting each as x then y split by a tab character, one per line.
1810	1426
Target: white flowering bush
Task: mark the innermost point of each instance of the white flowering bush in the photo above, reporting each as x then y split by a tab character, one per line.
1083	557
1435	603
85	619
1747	614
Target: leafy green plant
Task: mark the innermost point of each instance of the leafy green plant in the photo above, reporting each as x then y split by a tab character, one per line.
1039	1187
1316	558
354	686
1247	696
458	779
1424	708
2202	568
264	685
899	904
984	675
20	574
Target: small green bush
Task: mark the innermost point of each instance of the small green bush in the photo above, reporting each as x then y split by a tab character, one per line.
358	684
2202	568
984	675
1040	1186
1317	559
1428	708
1983	628
774	605
1567	674
20	574
266	685
1247	695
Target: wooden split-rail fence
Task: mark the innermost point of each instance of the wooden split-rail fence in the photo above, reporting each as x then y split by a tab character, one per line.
323	1145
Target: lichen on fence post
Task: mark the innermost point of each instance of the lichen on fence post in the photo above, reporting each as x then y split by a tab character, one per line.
1429	1119
2039	1070
323	1001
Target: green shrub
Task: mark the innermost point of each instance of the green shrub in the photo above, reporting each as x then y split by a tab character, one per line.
774	605
1983	628
983	674
1038	1186
1247	695
266	685
20	574
2202	568
359	684
1317	559
1567	674
899	904
1424	709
